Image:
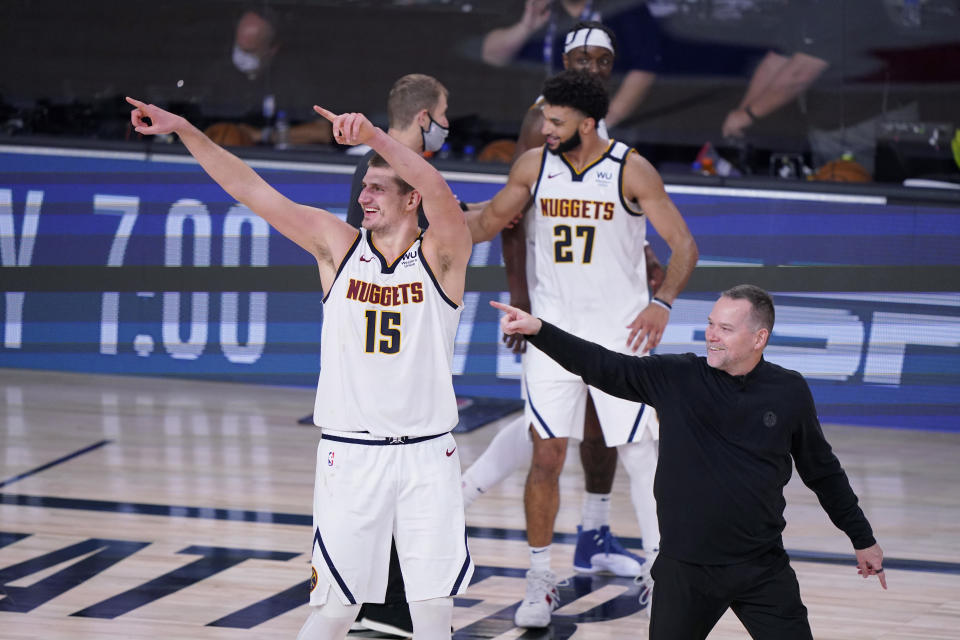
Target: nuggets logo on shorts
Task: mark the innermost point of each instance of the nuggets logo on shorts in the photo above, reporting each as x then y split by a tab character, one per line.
313	578
330	459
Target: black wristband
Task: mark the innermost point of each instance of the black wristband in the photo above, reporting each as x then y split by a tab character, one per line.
750	114
663	303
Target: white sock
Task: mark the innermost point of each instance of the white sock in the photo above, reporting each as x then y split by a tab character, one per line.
508	450
596	510
432	618
640	461
540	558
330	621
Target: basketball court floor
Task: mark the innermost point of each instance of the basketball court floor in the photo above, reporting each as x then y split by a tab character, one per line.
148	508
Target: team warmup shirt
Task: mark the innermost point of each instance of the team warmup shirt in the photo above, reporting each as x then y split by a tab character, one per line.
726	444
387	330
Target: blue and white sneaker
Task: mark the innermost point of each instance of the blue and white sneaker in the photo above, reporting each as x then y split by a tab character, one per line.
599	551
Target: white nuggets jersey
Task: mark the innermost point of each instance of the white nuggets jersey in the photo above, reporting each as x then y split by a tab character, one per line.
386	347
588	247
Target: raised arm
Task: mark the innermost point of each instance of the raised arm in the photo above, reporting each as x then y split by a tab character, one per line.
316	230
501	45
643	186
509	201
447	242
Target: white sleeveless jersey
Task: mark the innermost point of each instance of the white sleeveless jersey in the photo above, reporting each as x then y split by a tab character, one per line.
588	247
386	346
528	234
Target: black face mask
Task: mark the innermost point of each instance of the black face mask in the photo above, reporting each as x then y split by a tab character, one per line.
569	144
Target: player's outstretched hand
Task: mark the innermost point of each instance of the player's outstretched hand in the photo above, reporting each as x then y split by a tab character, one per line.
870	563
516	320
649	326
160	121
348	128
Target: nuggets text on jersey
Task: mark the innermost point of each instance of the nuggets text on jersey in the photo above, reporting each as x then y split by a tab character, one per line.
574	208
407	293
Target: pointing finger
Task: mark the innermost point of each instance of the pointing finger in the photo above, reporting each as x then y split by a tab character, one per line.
329	115
136	102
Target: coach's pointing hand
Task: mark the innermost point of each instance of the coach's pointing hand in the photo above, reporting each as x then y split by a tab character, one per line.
517	320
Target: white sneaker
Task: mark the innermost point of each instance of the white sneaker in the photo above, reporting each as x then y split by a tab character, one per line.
645	581
541	599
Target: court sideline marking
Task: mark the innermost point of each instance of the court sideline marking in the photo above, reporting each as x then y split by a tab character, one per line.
492	533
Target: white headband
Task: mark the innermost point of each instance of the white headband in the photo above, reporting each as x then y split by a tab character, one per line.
587	38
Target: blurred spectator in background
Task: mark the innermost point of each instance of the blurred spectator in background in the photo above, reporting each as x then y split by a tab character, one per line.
539	36
810	36
838	130
249	96
777	80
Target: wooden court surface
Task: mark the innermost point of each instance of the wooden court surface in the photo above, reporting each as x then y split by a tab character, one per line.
148	508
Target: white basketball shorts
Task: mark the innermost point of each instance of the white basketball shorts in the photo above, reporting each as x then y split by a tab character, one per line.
369	489
556	400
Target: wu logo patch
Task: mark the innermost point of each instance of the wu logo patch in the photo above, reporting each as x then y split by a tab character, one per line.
604	178
769	419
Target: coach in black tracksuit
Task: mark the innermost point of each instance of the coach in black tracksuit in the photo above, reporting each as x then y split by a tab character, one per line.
730	423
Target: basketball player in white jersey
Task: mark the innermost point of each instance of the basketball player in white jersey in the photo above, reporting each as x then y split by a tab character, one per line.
590	47
593	197
386	462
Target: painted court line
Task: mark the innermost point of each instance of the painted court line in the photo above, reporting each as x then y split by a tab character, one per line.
495	533
53	463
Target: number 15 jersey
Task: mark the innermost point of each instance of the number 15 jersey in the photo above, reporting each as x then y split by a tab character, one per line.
588	246
386	347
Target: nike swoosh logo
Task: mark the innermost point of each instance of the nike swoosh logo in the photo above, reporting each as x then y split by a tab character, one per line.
554	175
450	453
362	259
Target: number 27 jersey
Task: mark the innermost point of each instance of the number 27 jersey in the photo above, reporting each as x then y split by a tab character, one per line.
386	347
588	248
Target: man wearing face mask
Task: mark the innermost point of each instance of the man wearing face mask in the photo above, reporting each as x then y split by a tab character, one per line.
243	95
417	114
255	45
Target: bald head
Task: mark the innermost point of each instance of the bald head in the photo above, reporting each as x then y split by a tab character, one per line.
256	37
